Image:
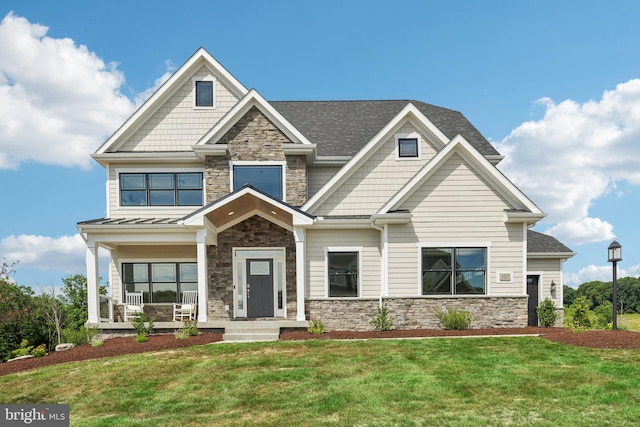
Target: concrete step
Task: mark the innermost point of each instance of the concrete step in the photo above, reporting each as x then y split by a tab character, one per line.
251	333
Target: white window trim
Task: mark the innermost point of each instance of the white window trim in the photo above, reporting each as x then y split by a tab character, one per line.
327	249
411	135
282	164
193	91
148	261
456	245
118	171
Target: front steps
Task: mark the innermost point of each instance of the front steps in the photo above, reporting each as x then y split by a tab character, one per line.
251	332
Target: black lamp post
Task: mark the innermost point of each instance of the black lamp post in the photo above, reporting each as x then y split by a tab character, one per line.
615	255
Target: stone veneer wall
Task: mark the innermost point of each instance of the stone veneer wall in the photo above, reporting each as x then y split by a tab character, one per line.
255	138
255	232
418	312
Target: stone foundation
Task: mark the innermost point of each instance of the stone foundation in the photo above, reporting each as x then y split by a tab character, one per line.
418	312
160	312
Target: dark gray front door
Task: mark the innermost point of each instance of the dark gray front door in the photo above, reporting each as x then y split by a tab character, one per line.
532	291
260	288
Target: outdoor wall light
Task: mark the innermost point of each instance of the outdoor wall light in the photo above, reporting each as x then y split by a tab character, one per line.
615	255
553	286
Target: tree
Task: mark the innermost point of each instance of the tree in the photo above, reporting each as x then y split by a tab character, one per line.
74	297
53	311
568	295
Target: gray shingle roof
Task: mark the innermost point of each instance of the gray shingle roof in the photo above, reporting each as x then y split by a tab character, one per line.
543	243
342	128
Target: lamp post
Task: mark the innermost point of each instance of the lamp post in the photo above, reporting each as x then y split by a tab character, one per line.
615	255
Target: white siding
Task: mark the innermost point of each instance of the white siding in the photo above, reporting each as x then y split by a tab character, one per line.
113	192
318	176
318	240
377	180
549	270
177	125
456	206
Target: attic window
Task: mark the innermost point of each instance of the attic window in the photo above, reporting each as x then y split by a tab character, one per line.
408	146
204	93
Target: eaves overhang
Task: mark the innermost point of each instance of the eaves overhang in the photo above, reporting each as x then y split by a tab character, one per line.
181	157
547	255
518	216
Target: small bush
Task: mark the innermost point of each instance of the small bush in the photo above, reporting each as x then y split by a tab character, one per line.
454	319
581	319
382	320
80	336
547	313
39	351
316	327
181	336
142	330
96	343
190	328
23	350
603	316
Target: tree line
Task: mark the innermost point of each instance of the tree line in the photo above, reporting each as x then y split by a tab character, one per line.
599	293
53	316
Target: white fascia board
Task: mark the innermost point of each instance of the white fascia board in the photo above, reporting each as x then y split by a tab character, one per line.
253	99
145	157
408	112
528	217
483	166
392	218
550	255
342	223
199	58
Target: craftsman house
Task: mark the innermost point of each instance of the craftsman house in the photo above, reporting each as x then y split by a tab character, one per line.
289	211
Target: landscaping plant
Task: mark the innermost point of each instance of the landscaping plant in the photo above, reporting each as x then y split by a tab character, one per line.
454	319
382	321
316	327
547	313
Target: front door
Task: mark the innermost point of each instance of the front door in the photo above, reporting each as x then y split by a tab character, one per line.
532	291
260	288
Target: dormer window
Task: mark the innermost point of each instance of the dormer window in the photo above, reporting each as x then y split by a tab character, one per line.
203	93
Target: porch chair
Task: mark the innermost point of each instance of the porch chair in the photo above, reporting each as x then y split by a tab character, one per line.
186	310
133	305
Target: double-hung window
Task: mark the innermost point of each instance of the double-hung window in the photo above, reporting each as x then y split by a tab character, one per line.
161	189
160	282
454	271
343	273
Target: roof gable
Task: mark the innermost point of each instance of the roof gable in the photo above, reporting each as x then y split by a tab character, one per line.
408	113
200	58
479	163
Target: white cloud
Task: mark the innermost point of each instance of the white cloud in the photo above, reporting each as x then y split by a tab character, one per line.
66	253
58	100
586	230
575	154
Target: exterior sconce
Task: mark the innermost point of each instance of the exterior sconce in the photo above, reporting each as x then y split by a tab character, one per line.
553	286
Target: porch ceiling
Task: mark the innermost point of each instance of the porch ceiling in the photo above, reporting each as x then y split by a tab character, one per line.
245	206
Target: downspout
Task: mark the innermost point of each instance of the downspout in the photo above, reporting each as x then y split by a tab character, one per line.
384	267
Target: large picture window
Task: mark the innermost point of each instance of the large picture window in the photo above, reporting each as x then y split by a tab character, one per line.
343	274
160	282
457	271
161	189
266	178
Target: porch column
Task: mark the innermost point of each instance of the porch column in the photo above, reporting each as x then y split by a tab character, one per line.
203	288
299	234
93	295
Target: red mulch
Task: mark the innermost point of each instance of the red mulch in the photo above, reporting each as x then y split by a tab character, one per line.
128	345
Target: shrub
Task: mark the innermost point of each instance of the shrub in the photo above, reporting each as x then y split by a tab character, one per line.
547	313
39	351
603	316
454	319
316	327
80	336
190	328
23	350
142	330
96	343
581	313
382	320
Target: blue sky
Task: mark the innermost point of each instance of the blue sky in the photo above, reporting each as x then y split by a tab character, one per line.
554	86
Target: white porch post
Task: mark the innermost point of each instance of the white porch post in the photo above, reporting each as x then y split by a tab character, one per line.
93	295
299	234
203	288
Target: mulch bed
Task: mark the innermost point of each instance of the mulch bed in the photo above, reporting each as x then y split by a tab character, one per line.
128	345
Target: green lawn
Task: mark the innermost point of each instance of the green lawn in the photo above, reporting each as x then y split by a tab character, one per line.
459	382
630	321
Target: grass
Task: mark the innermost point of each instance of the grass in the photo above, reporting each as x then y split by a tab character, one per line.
630	321
450	382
